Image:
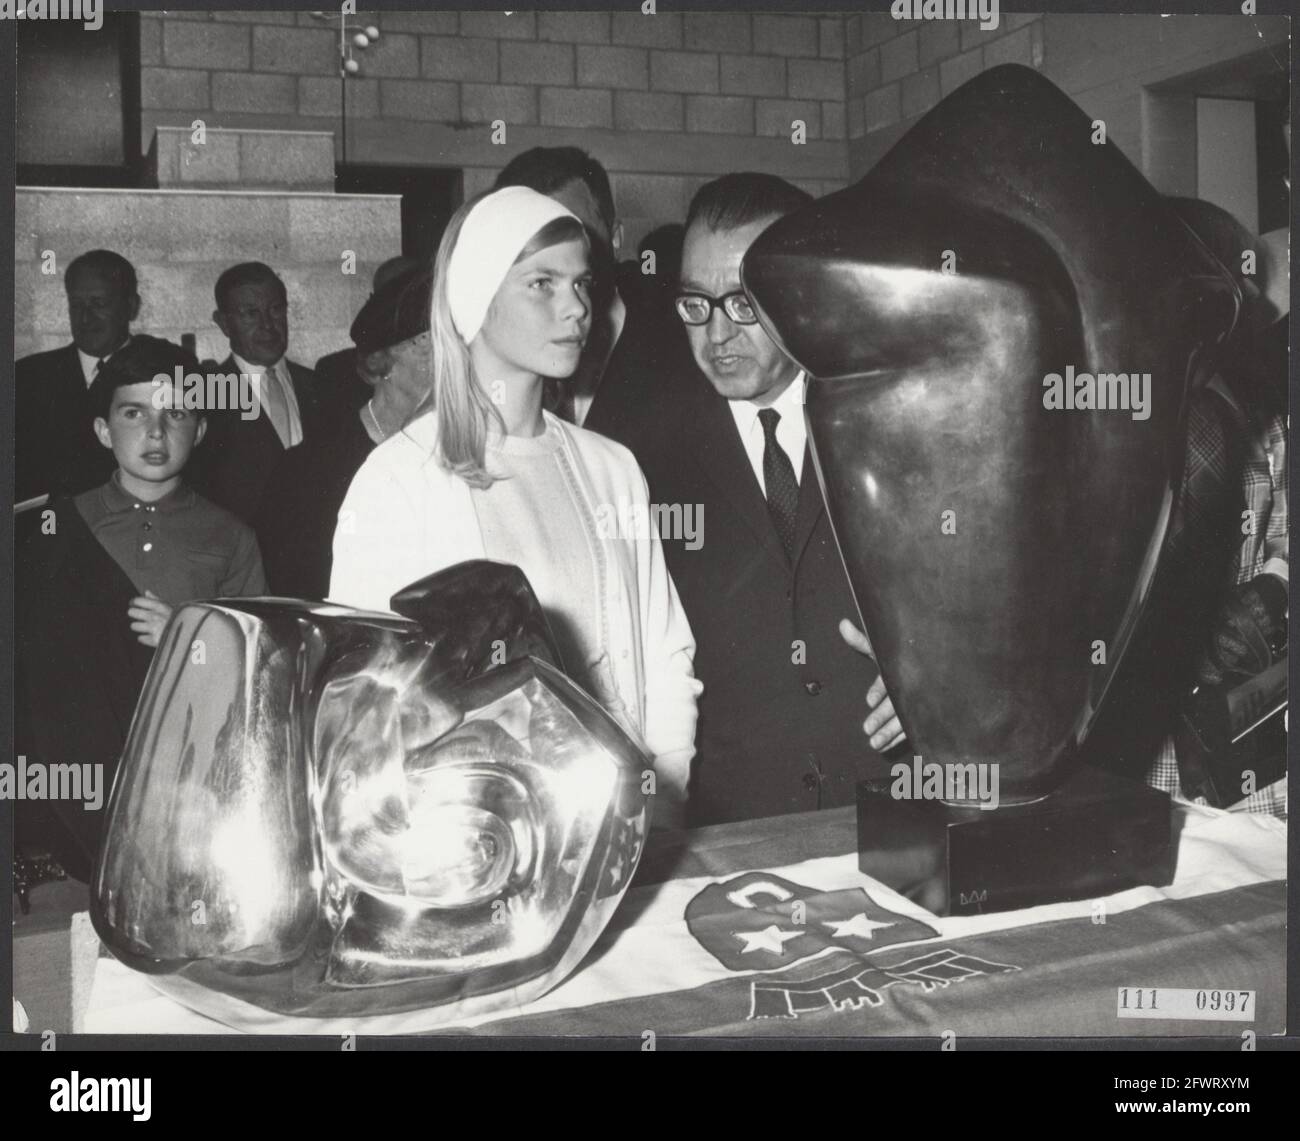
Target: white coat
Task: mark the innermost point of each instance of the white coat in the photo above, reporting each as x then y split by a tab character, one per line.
405	516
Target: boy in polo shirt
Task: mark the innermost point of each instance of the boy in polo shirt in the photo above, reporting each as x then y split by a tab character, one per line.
97	583
173	544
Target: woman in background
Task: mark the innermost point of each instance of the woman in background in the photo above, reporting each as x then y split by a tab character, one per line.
487	473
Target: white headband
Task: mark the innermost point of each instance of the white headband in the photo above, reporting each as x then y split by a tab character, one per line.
490	239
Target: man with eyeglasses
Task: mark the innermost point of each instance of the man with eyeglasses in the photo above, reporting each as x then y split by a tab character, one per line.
241	453
787	683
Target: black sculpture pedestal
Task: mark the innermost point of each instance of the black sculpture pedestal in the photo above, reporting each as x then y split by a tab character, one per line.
1096	835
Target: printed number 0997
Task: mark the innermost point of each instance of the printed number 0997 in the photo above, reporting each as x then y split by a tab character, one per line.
1226	1000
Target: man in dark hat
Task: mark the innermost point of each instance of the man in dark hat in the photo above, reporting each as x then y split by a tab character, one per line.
295	526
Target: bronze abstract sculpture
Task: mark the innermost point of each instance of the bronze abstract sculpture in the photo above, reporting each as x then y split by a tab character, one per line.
998	323
330	813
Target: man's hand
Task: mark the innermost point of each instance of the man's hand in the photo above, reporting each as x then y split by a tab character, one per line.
1247	634
148	614
881	725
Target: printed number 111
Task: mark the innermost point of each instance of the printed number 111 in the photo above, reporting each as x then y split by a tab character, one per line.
1138	992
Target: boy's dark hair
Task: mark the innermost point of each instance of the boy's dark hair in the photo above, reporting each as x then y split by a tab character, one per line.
139	361
109	264
245	273
546	169
736	200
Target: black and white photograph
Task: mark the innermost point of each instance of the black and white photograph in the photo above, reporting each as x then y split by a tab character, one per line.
651	523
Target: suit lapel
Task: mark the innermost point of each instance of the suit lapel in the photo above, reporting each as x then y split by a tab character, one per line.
260	424
811	504
85	463
714	444
70	389
303	389
71	378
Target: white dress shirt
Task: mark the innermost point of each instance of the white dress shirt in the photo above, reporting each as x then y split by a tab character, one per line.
90	364
791	431
277	399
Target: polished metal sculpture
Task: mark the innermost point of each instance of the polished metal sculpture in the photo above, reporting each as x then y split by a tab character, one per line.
329	813
1000	547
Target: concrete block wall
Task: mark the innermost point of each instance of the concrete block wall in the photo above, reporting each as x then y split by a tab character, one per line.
896	70
242	160
666	102
179	242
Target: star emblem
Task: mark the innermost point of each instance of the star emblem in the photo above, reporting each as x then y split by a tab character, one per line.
859	927
615	873
771	938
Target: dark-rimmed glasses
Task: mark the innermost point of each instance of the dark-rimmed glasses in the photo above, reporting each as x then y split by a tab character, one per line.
697	308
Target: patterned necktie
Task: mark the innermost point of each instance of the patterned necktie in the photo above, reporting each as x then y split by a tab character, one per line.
778	477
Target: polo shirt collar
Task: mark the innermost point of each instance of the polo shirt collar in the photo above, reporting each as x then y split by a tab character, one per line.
118	500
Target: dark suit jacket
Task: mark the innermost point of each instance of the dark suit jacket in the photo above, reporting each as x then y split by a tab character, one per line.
295	527
55	444
237	460
784	699
338	383
651	364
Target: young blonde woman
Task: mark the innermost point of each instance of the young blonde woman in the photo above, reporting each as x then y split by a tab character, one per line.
487	473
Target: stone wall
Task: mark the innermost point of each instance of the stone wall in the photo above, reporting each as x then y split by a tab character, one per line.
241	160
666	102
179	242
898	69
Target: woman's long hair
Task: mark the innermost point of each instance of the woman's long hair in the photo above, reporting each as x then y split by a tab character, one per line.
465	411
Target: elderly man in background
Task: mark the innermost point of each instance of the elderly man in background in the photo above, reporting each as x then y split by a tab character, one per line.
55	444
241	454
